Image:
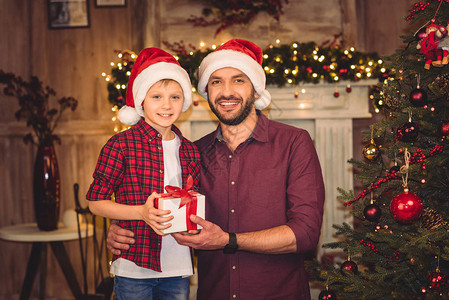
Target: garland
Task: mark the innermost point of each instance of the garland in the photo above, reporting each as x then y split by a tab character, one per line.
284	65
226	13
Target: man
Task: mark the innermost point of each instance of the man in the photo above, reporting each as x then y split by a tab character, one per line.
263	185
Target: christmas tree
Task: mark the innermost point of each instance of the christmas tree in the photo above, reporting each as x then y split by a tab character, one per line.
398	247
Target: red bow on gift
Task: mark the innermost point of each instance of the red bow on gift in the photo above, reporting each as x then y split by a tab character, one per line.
181	193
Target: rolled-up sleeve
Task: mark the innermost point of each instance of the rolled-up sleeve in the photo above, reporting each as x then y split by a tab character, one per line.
108	172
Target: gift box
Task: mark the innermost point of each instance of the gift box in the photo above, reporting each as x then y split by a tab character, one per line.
182	203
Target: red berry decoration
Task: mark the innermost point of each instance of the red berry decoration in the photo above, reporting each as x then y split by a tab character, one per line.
336	94
350	266
327	295
418	97
196	102
444	129
436	280
372	213
408	132
406	207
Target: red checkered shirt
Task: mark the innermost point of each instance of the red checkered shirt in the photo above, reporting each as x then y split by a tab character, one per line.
131	165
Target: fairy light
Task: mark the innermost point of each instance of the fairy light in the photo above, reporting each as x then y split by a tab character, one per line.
265	56
271	71
352	67
352	49
294	72
383	70
380	62
336	78
295	45
191	53
117	86
278	41
314	75
193	90
303	91
346	52
214	47
128	73
123	86
202	44
286	71
111	64
289	81
266	69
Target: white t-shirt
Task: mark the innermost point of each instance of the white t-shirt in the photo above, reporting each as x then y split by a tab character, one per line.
175	259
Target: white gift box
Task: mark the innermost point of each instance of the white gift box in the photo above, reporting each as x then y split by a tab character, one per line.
179	222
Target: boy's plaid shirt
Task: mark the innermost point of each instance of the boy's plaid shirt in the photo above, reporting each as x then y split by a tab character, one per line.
131	166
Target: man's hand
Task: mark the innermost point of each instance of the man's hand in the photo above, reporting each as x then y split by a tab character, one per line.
118	239
211	237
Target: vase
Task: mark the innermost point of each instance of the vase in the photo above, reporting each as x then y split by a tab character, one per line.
46	188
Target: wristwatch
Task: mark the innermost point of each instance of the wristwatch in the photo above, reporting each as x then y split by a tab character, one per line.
232	246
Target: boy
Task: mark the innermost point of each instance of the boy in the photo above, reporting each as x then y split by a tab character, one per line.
139	162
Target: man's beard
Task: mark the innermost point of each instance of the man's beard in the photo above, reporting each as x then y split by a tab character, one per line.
243	113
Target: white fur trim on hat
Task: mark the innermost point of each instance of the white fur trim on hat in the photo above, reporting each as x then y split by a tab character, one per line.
238	60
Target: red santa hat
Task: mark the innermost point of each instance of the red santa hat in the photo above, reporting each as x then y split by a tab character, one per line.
242	55
151	66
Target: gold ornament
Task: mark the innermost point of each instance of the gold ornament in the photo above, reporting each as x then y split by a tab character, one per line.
371	151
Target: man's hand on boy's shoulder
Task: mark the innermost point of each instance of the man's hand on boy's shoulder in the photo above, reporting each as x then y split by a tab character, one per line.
118	238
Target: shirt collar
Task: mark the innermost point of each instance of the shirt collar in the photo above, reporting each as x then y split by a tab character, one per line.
260	132
150	133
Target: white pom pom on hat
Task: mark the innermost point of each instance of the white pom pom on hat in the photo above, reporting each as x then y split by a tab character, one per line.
242	55
151	66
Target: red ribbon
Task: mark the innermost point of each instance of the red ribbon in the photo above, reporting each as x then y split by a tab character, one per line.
187	199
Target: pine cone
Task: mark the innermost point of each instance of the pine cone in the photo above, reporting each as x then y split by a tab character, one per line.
431	219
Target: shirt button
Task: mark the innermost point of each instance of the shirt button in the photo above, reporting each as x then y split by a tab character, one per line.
232	211
233	267
161	171
158	135
232	182
234	296
230	155
159	147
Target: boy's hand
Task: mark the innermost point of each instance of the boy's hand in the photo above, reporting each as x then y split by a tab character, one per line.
152	215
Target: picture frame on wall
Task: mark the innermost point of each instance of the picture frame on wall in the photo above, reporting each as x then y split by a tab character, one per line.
110	3
68	14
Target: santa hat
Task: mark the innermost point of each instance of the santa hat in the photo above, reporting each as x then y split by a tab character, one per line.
242	55
151	66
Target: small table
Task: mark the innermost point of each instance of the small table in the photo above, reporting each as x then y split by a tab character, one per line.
30	233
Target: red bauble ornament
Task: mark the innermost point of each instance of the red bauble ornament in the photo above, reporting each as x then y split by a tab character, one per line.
348	89
408	132
336	94
196	102
444	129
436	280
418	97
406	207
350	266
372	213
327	295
